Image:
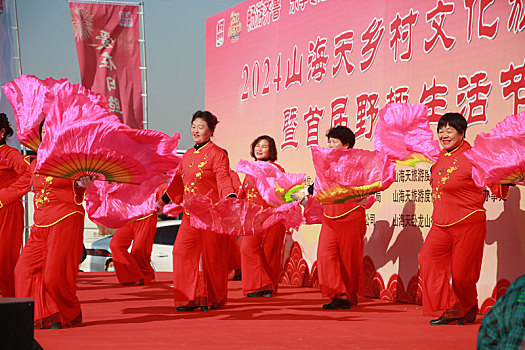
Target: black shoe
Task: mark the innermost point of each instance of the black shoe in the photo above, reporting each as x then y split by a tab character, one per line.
204	308
443	320
261	293
337	304
56	325
188	308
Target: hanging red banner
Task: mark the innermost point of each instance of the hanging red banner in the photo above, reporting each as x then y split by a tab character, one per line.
108	48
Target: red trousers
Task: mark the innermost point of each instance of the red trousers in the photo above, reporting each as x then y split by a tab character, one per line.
235	254
134	266
261	263
340	255
455	251
48	267
200	266
11	232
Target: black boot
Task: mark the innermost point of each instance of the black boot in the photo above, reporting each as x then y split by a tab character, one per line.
337	304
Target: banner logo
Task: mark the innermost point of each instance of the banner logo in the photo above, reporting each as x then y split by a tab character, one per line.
235	27
126	19
219	35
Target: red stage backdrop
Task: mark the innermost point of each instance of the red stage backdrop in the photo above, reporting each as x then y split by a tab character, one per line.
294	68
107	40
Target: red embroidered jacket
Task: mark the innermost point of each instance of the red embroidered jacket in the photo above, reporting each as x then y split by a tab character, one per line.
454	194
55	199
205	171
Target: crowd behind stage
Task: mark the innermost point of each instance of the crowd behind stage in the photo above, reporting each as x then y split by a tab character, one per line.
450	260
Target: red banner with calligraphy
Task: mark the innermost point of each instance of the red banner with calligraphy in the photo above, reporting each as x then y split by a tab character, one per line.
108	48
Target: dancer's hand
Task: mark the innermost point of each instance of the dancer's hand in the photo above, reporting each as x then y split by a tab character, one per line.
159	206
85	181
298	196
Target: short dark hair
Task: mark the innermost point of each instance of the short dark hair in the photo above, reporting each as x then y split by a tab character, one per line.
343	134
208	117
455	120
4	124
271	142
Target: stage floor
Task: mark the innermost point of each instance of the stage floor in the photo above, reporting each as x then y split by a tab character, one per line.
143	317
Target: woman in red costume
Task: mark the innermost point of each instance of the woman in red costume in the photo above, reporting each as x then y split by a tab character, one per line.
200	266
12	166
135	267
454	244
340	247
261	253
48	265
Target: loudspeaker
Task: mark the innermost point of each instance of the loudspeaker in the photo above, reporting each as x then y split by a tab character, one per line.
16	324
